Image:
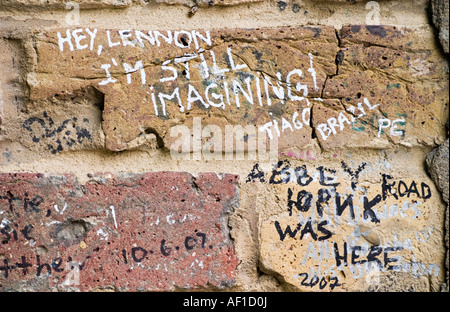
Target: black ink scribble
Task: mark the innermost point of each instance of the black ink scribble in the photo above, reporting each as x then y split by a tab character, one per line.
354	175
51	130
256	175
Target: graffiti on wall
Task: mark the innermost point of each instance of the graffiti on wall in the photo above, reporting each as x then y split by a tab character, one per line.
113	228
265	78
57	135
331	214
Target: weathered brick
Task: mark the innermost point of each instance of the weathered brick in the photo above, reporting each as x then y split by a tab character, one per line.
351	227
55	4
151	231
205	3
67	121
439	9
96	4
381	87
243	60
391	88
55	117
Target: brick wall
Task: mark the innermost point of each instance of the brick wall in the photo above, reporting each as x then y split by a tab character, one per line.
223	145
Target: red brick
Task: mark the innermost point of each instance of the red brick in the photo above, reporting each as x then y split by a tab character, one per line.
167	230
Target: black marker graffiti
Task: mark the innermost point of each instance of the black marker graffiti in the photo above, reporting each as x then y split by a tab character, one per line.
283	173
138	253
354	175
377	255
307	229
322	282
328	196
256	175
51	130
27	204
402	189
11	234
54	265
317	201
